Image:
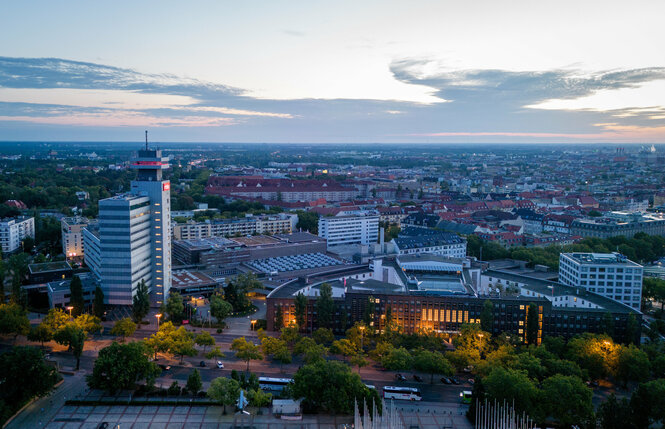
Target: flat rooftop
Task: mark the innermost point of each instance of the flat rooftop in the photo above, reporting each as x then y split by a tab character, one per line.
601	258
49	267
185	278
256	240
551	288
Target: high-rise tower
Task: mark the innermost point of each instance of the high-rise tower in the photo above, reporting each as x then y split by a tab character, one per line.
149	183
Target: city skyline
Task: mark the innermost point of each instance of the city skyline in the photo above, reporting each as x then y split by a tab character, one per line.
334	72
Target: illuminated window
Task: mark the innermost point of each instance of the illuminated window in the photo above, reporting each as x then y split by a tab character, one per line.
521	307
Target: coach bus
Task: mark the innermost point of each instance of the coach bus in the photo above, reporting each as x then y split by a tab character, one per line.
406	393
274	384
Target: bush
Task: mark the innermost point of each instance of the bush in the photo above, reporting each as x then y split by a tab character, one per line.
219	330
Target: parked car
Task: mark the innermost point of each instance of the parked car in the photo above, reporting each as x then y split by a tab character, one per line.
220	365
455	380
202	364
471	381
446	380
417	377
400	377
165	367
468	369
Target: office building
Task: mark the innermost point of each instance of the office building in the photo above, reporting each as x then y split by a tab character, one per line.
72	236
353	229
13	231
610	275
149	182
132	242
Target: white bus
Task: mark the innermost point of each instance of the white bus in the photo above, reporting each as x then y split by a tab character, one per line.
274	384
407	393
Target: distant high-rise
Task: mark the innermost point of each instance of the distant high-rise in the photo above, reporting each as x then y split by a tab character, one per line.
133	243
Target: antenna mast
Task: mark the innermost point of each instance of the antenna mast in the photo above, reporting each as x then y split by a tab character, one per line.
146	139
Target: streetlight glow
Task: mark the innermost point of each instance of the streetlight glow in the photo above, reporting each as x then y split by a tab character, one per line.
70	308
158	315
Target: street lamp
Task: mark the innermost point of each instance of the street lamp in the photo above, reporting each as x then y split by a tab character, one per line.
70	308
158	315
480	347
253	322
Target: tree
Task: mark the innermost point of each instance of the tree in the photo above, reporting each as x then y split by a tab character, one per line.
648	403
290	334
258	398
301	309
55	319
632	329
487	316
124	328
174	307
331	387
121	366
246	350
40	333
633	365
323	336
308	221
204	339
162	340
597	354
398	359
194	383
98	303
24	375
504	384
359	361
325	306
88	324
614	414
13	320
224	390
214	353
279	318
532	324
220	309
73	337
76	300
432	363
344	347
182	343
608	324
567	399
140	302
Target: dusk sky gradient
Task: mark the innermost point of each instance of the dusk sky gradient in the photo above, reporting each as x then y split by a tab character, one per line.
333	71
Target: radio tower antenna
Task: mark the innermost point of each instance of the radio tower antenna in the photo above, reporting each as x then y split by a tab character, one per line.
146	139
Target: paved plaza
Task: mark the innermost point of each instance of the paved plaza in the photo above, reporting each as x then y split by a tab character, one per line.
421	416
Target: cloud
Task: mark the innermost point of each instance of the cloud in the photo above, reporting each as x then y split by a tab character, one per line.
476	105
517	88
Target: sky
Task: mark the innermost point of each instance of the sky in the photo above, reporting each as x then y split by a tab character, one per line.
333	71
